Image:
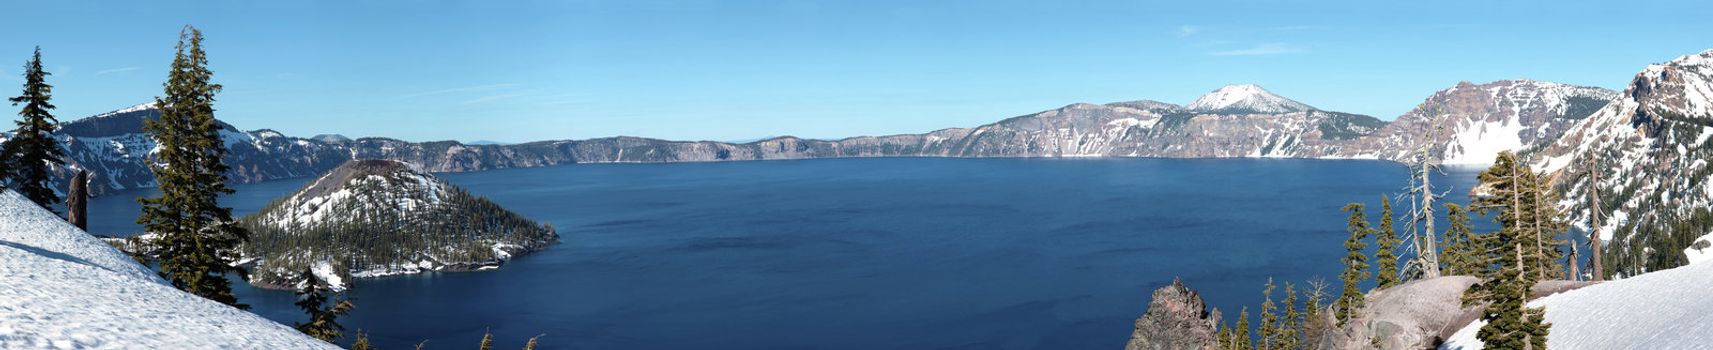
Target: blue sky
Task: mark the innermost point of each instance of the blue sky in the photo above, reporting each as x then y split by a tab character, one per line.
733	70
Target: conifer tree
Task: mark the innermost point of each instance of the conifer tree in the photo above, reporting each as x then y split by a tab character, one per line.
487	340
32	151
1269	320
1240	339
1355	265
362	342
1223	338
1386	240
197	238
1462	252
1511	324
1290	327
323	321
530	345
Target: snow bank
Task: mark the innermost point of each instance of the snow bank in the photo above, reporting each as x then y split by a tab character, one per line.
1667	309
61	288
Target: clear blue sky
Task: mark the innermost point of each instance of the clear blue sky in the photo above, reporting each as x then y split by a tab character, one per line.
729	70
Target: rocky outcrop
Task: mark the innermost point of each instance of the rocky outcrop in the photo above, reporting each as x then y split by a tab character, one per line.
1176	319
1420	314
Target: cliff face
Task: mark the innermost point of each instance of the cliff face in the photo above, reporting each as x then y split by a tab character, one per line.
1176	319
1466	123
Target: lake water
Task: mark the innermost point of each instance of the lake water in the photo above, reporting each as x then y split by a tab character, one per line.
889	253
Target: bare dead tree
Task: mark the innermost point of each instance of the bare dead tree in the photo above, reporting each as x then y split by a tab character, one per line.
1594	211
1422	197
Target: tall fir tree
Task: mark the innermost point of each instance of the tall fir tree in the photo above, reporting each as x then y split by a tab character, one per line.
1355	265
1522	203
1240	339
1222	338
1462	251
197	238
1511	324
323	319
1269	318
32	151
1290	328
487	341
1386	242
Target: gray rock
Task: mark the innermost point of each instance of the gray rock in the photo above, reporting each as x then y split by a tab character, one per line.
1176	319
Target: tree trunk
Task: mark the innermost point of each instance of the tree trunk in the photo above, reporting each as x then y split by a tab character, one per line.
1594	218
77	201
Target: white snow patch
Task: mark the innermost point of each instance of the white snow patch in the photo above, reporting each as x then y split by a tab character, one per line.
65	289
1667	309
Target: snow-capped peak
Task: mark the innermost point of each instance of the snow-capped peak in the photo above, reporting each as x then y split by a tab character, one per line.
1246	98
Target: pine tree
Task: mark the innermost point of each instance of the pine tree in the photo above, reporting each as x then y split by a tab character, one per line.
323	321
362	342
1223	338
1511	324
1386	258
1461	249
1290	327
487	340
1240	339
532	342
198	239
1355	265
1269	319
32	151
1548	224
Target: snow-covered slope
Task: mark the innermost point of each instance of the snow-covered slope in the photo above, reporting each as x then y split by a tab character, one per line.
379	217
61	288
1246	98
1471	123
1669	309
1651	148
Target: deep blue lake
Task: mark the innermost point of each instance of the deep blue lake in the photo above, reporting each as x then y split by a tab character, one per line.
915	253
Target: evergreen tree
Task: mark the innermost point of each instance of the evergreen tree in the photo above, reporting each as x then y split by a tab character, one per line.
530	345
197	237
1223	337
1240	339
32	151
1290	328
1355	265
1386	258
323	321
362	342
1511	324
487	340
1462	252
1269	320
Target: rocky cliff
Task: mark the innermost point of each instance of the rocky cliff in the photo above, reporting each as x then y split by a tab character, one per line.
1176	319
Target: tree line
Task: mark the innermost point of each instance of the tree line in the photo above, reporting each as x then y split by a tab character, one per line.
1525	249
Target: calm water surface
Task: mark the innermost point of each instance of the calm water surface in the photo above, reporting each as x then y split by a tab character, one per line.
863	253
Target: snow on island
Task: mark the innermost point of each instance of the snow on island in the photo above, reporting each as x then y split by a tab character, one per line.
61	288
1666	309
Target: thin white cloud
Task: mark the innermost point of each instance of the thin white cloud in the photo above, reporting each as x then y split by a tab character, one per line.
115	70
476	88
1269	49
1187	31
489	98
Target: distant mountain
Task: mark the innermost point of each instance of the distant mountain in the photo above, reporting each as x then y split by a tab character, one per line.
380	217
1651	149
1234	121
1472	123
1246	98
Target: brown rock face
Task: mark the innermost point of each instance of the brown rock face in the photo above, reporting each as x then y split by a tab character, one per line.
1176	319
